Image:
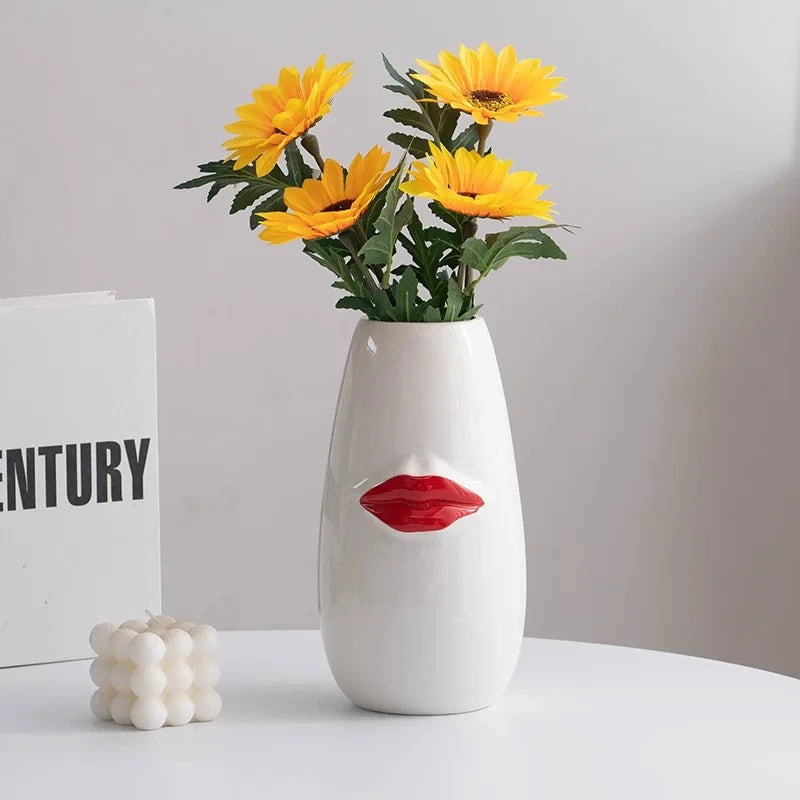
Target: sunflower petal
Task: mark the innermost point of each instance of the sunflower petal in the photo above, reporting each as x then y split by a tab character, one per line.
322	207
489	85
475	185
291	106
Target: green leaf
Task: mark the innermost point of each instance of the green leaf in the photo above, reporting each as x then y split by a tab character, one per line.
273	203
450	217
296	168
339	285
383	306
333	255
373	210
426	255
212	175
215	189
439	292
432	314
438	121
245	197
417	241
451	239
356	303
454	301
402	81
223	172
523	241
470	313
277	175
416	145
467	138
405	294
475	253
411	119
570	229
379	248
329	253
203	180
447	123
406	85
224	166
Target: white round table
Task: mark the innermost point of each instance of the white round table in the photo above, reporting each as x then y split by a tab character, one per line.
579	721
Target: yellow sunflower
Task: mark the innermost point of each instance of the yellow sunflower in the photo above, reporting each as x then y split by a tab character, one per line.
323	207
477	186
491	85
282	112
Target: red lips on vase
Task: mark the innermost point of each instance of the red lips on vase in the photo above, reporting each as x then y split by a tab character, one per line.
420	503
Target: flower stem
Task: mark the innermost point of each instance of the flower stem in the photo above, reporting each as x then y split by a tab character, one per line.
483	135
473	284
346	238
464	277
461	277
360	236
311	144
470	227
358	230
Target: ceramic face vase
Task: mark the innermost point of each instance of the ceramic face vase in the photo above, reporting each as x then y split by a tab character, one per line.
422	555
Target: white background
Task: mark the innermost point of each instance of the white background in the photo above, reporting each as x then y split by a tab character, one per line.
652	380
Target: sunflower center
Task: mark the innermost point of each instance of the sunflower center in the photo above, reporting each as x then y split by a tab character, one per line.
472	195
339	205
489	99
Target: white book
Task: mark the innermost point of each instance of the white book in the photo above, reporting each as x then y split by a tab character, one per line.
79	524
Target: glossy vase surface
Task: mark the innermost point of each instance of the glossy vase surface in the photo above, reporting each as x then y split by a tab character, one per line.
422	552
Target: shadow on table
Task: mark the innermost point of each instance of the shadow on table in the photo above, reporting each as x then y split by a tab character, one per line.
280	702
56	719
293	702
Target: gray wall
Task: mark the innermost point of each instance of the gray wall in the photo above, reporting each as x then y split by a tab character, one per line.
652	380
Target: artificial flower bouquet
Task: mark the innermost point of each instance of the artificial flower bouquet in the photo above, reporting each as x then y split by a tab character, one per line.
360	222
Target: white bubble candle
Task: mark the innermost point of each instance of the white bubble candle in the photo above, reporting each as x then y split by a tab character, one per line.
155	673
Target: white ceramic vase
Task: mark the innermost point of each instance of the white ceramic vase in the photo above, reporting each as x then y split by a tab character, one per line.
422	553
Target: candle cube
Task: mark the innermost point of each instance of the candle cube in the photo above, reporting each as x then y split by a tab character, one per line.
156	673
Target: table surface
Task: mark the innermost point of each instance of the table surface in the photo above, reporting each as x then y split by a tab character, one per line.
578	721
